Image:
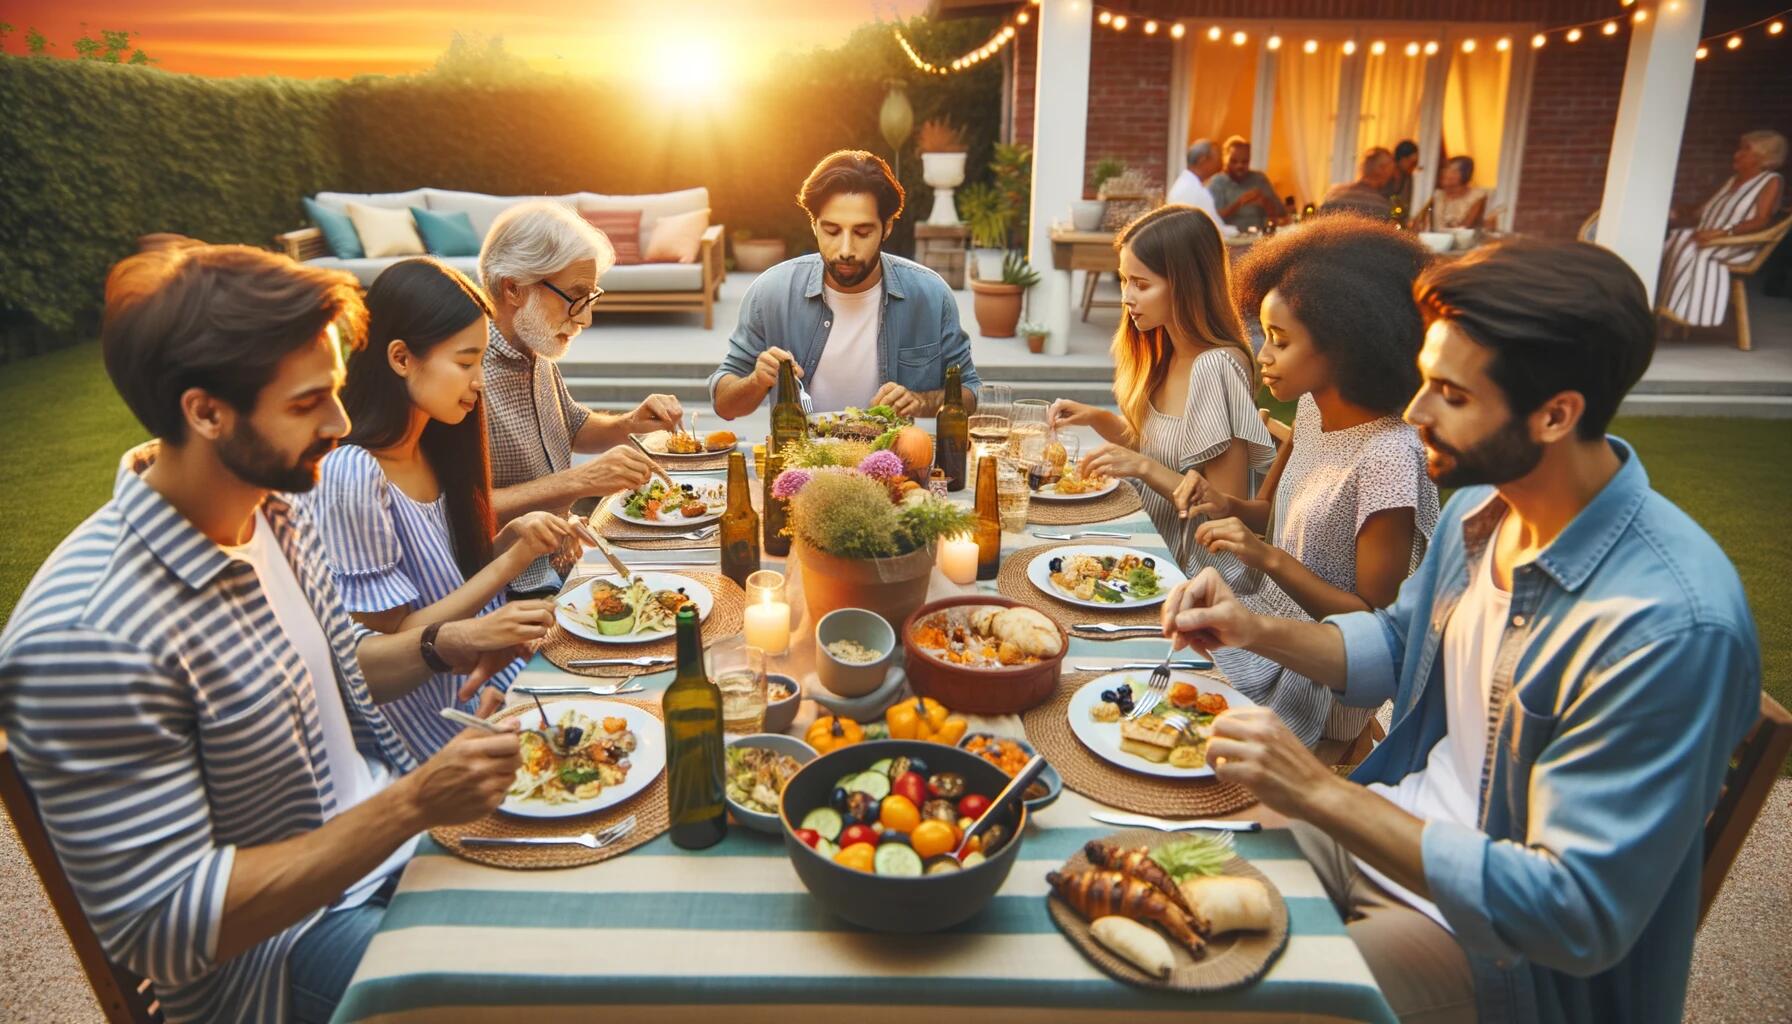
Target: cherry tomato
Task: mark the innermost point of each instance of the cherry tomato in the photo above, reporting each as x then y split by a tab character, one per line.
859	857
973	805
911	785
932	838
856	833
808	837
899	814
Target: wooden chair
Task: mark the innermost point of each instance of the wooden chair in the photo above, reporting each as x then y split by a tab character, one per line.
1753	770
1767	239
123	997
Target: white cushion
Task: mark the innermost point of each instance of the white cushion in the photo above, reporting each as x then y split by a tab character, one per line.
338	201
653	277
652	207
385	232
482	209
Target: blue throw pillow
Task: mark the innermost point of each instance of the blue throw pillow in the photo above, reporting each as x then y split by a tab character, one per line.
446	234
339	231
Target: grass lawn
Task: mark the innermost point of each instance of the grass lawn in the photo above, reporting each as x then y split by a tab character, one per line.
65	429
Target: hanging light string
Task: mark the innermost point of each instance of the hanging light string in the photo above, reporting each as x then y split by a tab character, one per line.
971	58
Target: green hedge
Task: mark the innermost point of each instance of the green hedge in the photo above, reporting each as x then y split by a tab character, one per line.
94	155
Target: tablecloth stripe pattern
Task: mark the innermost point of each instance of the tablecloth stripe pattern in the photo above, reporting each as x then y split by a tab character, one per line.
667	934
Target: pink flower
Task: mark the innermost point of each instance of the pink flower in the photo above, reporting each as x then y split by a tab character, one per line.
788	483
884	466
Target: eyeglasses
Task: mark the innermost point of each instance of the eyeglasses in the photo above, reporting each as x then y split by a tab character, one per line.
574	306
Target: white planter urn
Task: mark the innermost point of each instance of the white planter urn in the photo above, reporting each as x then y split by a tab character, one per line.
945	172
1086	214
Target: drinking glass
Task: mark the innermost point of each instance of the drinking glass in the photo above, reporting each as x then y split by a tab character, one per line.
739	672
1028	427
995	400
989	436
1012	496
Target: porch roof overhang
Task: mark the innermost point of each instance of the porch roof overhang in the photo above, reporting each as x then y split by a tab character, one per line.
1552	11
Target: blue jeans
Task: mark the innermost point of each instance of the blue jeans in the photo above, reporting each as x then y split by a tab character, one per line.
324	959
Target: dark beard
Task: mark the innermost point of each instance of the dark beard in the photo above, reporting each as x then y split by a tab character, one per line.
857	278
1505	455
255	462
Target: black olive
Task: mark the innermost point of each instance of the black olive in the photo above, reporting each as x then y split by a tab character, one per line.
687	488
681	590
1149	562
838	800
1107	695
859	807
571	736
915	764
1055	565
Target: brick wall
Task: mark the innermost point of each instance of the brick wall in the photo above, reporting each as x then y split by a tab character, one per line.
1129	98
1732	92
1574	109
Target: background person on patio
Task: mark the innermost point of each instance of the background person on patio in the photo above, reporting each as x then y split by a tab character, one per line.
1399	186
1190	188
1368	193
1350	511
864	327
1571	667
194	711
1456	204
540	266
1245	197
404	505
1695	276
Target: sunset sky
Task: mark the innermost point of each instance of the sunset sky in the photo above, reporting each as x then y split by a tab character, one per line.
340	38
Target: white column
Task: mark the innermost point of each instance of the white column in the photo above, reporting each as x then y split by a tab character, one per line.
1060	119
1639	179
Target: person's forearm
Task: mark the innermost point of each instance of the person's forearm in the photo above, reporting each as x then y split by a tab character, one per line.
1252	513
393	663
470	598
1315	596
1112	427
1161	478
553	493
274	886
1313	649
738	396
1370	826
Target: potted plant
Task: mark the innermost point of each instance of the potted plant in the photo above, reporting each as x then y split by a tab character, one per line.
1086	214
942	167
755	255
1035	333
997	303
865	534
989	219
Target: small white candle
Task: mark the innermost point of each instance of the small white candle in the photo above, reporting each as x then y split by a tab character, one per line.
768	626
958	558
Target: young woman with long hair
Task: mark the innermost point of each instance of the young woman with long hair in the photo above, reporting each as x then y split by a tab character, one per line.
403	505
1349	511
1179	347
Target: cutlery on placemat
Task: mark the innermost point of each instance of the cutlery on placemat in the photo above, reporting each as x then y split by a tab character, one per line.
1139	666
705	533
1109	534
1167	825
1115	627
645	661
589	840
626	686
1155	688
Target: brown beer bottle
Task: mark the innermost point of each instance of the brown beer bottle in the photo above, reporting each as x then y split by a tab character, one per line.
740	524
989	520
954	430
777	510
788	422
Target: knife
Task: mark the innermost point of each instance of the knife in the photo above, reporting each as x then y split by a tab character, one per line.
1166	825
645	661
1141	666
584	691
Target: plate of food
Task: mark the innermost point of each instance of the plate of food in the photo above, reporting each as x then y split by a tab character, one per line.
1072	486
682	444
611	611
658	504
1104	576
855	424
1152	744
592	755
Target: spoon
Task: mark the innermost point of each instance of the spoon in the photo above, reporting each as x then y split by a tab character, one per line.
1010	793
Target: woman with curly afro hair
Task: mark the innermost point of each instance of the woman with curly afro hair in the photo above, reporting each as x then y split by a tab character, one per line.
1349	511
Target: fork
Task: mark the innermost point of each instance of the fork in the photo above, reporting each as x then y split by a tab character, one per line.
1109	534
1110	627
589	840
1154	690
704	533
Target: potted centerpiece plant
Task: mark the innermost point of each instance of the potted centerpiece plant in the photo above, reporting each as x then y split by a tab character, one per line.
1035	333
998	303
864	534
755	255
942	167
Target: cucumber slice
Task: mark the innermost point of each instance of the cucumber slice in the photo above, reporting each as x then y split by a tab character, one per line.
897	859
826	848
880	767
872	783
825	821
845	781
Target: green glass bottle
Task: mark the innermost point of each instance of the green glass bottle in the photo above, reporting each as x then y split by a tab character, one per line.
788	422
777	510
693	712
740	524
954	431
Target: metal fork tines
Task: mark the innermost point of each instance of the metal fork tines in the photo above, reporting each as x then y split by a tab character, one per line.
1154	690
589	840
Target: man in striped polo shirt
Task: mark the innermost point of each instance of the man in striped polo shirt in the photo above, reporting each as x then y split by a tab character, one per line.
193	710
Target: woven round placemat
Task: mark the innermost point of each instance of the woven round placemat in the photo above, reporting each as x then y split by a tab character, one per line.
726	618
648	807
612	527
1048	729
1232	960
707	464
1011	581
1121	501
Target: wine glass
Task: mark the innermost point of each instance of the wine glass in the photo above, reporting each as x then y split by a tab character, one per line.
1028	427
995	400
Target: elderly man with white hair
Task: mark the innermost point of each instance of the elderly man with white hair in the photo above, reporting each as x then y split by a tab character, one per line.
540	266
1190	187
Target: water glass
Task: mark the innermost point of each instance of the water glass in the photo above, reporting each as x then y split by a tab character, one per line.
995	400
989	436
739	672
1013	497
1028	427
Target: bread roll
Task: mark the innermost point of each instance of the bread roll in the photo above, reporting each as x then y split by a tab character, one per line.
1229	904
1136	943
1028	630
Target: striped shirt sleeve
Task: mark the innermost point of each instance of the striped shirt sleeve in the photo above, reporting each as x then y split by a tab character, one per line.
1220	407
354	525
104	737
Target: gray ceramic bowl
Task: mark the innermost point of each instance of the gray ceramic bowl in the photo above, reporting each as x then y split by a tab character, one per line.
871	631
780	713
760	821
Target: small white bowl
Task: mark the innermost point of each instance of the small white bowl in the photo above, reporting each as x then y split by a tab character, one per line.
872	631
1437	241
801	752
1465	237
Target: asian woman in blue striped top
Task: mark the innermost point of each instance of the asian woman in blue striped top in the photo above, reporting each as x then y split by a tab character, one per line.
403	505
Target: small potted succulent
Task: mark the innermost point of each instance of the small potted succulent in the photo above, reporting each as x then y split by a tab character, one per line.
1035	333
755	255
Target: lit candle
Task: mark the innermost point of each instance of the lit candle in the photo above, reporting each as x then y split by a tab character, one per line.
767	613
958	558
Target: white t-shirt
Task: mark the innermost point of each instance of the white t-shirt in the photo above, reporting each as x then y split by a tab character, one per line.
354	775
1449	786
1190	191
848	373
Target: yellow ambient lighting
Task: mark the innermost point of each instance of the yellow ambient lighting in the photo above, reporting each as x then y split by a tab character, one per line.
1349	47
1573	35
1701	53
1468	46
1214	33
1538	40
1151	28
1734	42
1431	48
1378	48
1412	49
1610	28
1104	17
1776	28
1504	44
1310	46
1178	30
1274	42
1119	22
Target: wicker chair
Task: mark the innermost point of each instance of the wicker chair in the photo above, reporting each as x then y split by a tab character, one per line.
1767	239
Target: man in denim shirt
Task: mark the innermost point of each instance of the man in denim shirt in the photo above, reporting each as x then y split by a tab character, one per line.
863	327
1571	668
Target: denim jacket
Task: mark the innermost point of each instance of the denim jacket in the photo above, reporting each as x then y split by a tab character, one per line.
1627	673
918	334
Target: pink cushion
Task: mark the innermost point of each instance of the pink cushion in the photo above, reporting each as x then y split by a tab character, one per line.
677	238
622	228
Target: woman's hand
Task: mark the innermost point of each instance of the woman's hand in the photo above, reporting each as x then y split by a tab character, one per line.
529	536
1195	497
1066	413
1281	432
1115	460
1231	536
518	622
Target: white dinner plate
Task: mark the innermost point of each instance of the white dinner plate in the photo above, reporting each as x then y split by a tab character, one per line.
580	597
1103	738
1049	493
713	492
1039	573
655	443
645	764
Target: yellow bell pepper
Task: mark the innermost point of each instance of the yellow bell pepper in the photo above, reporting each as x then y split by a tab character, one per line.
924	719
830	733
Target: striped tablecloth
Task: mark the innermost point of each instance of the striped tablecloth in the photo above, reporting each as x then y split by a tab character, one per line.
665	934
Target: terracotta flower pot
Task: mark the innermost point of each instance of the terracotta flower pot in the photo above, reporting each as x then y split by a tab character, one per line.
758	254
891	587
997	307
1036	343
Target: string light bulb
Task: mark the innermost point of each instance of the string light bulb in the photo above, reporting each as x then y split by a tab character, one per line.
1310	46
1239	38
1104	17
1701	53
1213	33
1412	49
1610	28
1775	28
1273	42
1468	46
1641	15
1022	18
1349	47
1119	22
1431	48
1504	44
1538	40
1734	42
1573	35
1178	30
1378	48
1150	28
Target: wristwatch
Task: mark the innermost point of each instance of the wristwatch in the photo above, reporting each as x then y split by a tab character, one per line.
427	647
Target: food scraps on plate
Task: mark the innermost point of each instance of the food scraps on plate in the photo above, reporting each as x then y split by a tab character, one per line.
1150	735
757	775
659	502
1109	579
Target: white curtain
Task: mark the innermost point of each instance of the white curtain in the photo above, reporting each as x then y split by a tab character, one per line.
1475	109
1393	84
1222	90
1305	119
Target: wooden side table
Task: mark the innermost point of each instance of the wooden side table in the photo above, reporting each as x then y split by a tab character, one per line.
942	250
1091	251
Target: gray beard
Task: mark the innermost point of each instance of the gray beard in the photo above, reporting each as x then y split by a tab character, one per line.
535	331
